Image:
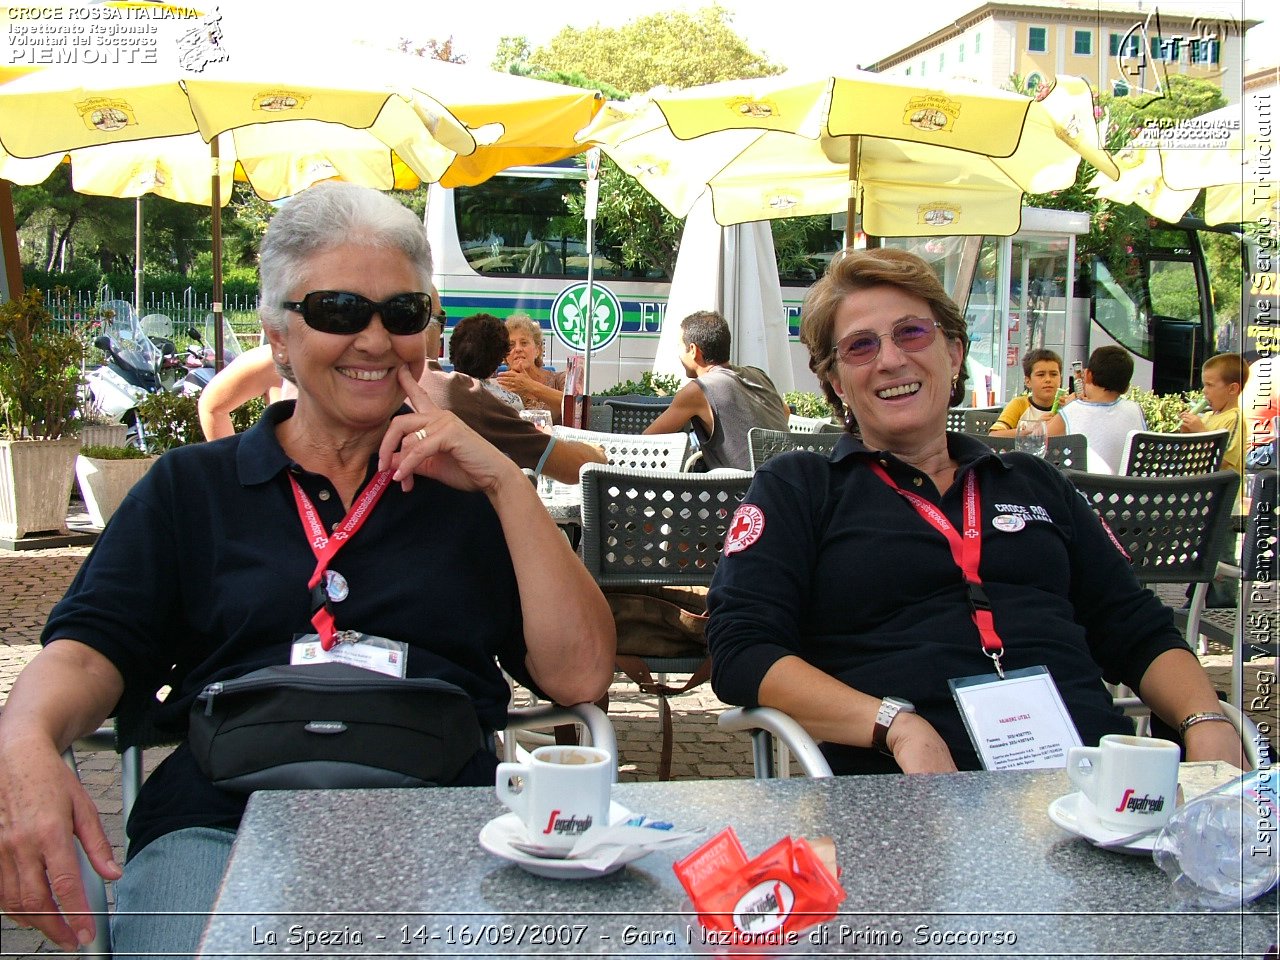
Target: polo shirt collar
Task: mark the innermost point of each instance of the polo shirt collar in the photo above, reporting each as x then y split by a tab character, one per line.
964	450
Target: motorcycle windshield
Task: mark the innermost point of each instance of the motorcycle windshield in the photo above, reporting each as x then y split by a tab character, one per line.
132	346
230	342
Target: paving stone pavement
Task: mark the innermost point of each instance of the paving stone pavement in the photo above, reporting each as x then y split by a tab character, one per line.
31	582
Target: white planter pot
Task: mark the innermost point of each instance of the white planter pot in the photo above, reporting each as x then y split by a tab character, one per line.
35	485
104	484
103	434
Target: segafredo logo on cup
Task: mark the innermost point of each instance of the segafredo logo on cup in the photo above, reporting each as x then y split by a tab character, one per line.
569	826
1144	804
764	907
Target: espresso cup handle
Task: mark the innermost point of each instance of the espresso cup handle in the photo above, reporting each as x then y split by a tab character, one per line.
517	800
1084	777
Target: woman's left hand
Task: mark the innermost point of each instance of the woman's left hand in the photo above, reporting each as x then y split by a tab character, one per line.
1216	740
517	381
432	442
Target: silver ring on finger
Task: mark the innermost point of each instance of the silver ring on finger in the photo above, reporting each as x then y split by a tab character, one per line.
421	433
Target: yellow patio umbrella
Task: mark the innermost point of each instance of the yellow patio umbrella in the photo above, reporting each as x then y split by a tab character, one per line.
1221	152
911	159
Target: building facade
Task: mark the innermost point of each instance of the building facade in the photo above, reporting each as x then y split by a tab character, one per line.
1125	48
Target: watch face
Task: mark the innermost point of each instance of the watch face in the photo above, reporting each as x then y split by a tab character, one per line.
902	704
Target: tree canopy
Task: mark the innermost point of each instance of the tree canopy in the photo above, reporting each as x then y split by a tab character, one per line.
677	49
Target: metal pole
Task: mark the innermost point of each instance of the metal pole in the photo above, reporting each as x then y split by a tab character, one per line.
217	256
589	212
137	256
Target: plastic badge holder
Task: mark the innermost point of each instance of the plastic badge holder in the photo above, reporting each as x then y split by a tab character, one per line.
765	901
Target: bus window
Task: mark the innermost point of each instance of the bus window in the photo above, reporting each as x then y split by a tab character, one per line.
1116	312
1174	292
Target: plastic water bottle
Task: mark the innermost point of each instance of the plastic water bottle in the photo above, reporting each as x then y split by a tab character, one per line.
1220	848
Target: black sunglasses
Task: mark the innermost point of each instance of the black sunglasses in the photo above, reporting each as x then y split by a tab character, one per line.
337	311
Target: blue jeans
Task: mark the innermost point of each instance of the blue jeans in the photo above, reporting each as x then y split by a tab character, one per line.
166	894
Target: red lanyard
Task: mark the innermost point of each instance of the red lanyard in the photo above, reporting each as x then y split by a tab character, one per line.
966	551
326	548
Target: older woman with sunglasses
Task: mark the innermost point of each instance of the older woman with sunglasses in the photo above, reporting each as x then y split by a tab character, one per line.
856	591
220	562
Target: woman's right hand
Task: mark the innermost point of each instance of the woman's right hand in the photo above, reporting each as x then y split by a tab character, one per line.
43	808
916	746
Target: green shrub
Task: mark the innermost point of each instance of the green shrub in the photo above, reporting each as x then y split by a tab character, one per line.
169	420
1163	411
242	418
649	385
97	452
39	371
809	404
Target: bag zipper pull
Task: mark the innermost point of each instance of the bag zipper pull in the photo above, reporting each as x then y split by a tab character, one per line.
211	691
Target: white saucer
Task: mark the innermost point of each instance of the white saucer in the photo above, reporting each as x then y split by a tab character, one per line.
497	834
1074	814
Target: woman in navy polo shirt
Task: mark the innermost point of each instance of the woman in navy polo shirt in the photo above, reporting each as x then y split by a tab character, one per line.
853	589
207	573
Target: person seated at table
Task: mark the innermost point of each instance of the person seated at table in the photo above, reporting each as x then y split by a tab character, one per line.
477	347
1042	376
203	575
1223	377
1102	415
537	387
256	370
722	401
838	595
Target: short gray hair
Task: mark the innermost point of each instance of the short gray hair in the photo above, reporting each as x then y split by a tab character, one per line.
522	322
330	215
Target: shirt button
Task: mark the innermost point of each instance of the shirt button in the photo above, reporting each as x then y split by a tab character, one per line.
324	494
918	481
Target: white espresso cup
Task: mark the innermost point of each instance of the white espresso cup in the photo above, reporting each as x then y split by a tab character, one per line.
1131	782
563	792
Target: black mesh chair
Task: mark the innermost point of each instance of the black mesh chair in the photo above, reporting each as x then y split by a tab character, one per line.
1067	452
601	417
643	529
634	414
1172	528
980	419
1149	454
1257	622
955	419
769	443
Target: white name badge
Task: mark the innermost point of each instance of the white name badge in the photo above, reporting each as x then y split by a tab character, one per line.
1018	723
357	649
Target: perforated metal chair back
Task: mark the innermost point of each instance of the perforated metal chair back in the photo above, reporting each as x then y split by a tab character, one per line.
980	419
1150	454
1067	452
955	419
602	418
765	444
799	424
661	451
643	528
1172	528
635	414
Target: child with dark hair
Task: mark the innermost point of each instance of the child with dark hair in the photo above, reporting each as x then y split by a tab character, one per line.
1102	415
1042	376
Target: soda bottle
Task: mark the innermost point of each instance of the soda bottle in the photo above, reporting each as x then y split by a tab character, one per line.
1220	848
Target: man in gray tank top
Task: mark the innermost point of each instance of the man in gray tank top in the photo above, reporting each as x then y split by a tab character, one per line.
723	401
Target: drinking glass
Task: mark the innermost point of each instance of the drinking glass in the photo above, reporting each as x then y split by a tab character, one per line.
542	420
1032	437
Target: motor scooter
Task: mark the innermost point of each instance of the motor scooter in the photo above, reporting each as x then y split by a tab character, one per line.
132	368
200	355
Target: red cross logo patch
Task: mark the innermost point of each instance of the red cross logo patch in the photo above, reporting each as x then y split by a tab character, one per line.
744	529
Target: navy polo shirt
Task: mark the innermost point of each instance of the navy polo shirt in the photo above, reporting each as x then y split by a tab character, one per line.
202	575
848	576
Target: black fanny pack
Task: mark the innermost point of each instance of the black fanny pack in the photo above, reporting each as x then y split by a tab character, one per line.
332	725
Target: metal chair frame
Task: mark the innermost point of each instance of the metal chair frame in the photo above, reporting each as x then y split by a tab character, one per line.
1151	454
765	444
799	424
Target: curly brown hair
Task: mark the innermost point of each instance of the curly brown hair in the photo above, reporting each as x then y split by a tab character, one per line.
478	345
853	270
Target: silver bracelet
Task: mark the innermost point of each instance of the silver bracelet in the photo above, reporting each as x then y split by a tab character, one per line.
1195	718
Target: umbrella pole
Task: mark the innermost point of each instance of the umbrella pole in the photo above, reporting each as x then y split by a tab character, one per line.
137	256
592	187
216	193
855	197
